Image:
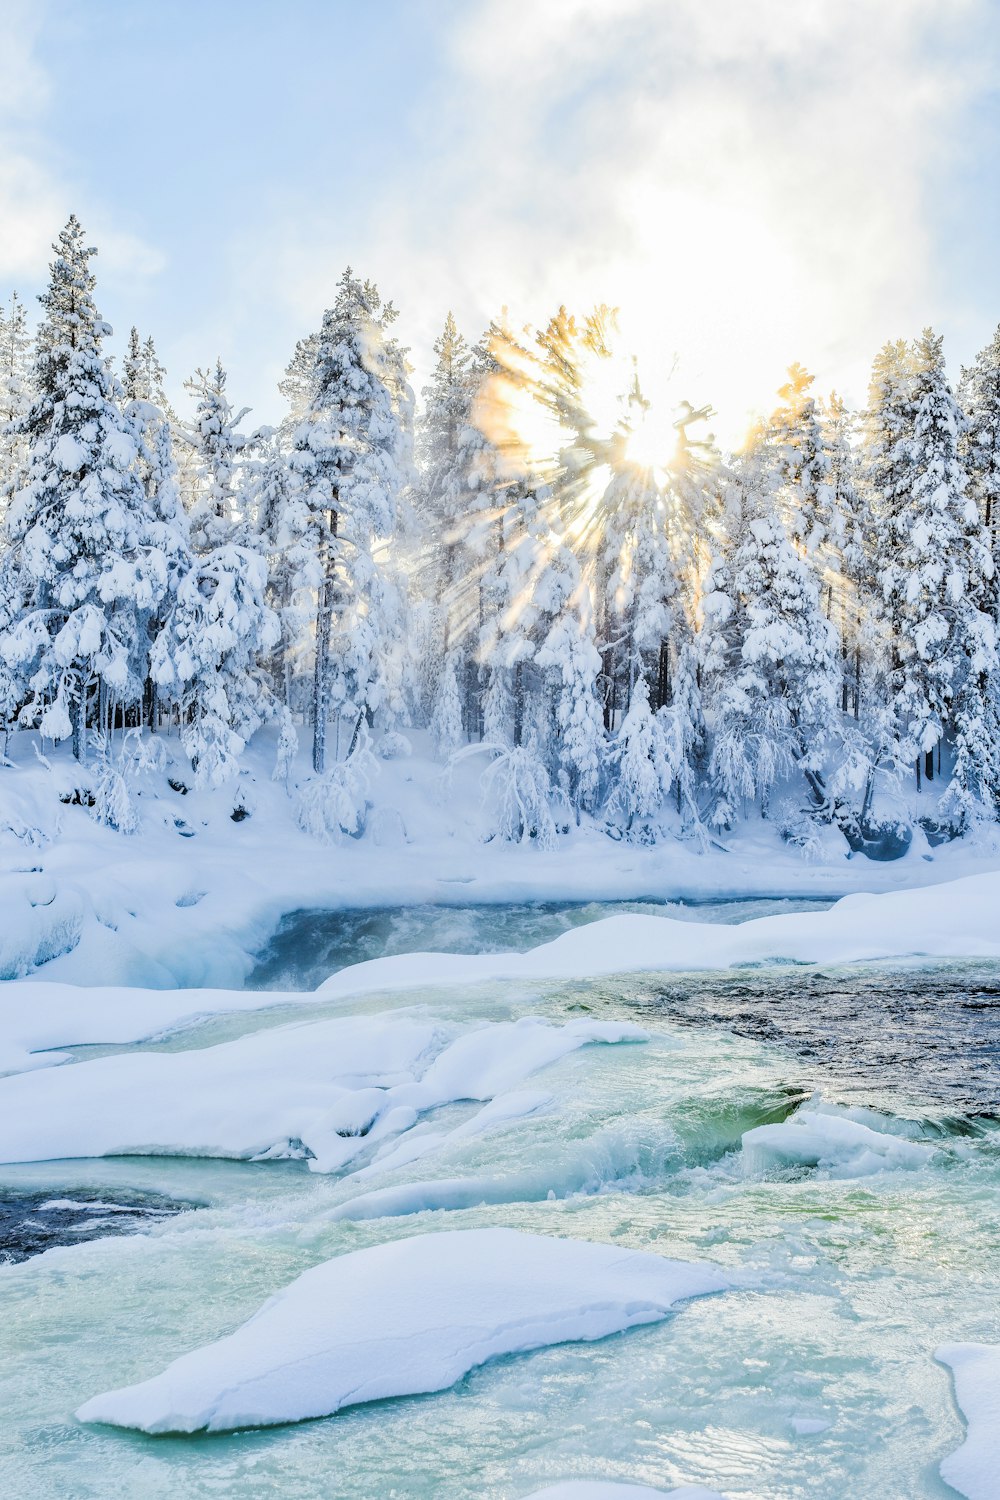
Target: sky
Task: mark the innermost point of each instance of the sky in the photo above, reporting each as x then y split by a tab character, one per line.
751	182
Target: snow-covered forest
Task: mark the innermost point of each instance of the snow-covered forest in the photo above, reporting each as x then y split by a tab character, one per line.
623	623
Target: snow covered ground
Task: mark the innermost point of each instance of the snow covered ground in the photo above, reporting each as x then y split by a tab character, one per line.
187	901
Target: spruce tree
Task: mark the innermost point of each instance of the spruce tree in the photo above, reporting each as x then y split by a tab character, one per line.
15	395
91	569
343	503
980	395
936	581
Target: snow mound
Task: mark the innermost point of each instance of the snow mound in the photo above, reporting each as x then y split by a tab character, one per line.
972	1470
832	1143
954	919
598	1489
397	1319
321	1090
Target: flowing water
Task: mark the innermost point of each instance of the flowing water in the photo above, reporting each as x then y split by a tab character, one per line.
815	1378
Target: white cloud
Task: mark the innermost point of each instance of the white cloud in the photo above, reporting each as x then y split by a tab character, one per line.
35	198
748	181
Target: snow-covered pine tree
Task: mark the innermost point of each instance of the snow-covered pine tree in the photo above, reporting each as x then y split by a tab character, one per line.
214	445
147	408
854	576
637	587
883	470
446	716
15	395
936	582
641	767
980	398
769	654
569	652
90	569
508	533
206	658
444	495
798	449
343	502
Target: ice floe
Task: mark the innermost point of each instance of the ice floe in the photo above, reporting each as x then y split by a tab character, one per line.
396	1319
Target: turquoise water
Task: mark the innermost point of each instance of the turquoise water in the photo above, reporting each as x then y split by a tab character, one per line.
847	1283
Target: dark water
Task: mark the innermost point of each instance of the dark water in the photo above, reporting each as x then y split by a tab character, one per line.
930	1036
37	1221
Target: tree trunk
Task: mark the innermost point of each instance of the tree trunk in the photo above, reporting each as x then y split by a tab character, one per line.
80	719
929	765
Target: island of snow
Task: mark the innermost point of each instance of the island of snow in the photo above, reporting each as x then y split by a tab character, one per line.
973	1468
402	1318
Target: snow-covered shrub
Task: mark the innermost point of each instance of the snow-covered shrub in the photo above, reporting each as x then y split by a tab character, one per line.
335	805
643	758
387	829
519	783
288	744
394	746
112	805
446	719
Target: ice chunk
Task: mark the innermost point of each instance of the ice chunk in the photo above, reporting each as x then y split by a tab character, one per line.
832	1143
973	1469
400	1318
954	919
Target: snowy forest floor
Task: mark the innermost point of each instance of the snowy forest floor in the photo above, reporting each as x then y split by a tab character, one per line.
191	896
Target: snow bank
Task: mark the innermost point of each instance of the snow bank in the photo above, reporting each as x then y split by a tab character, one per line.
324	1090
598	1489
397	1319
974	1468
956	919
39	1018
832	1143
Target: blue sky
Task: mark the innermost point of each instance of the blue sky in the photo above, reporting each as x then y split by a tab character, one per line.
752	184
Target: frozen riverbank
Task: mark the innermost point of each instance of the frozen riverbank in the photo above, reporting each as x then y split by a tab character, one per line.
191	898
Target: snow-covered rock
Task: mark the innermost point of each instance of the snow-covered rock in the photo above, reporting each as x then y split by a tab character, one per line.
400	1318
974	1468
326	1090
